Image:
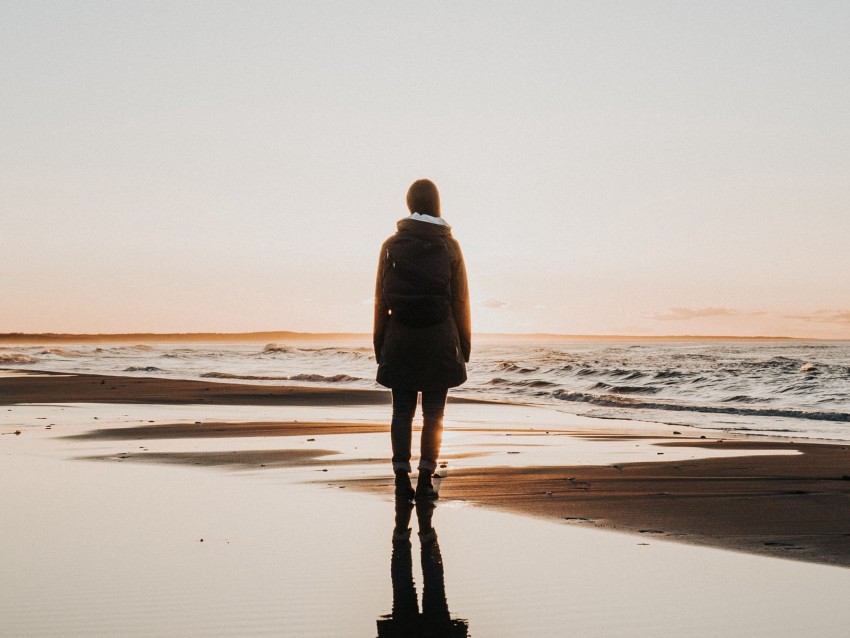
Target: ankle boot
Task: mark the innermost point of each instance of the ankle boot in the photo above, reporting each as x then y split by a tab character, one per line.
424	489
403	488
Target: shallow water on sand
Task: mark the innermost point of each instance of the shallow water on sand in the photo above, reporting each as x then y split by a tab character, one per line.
105	548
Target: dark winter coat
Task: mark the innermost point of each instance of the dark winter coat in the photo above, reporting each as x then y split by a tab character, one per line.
433	357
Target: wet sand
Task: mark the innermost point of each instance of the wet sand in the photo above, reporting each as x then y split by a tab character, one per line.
144	510
794	503
793	506
46	387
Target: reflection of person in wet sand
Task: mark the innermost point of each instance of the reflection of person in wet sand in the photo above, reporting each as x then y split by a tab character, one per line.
405	621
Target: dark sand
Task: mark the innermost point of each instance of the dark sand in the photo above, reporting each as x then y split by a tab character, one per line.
93	388
794	506
242	429
50	387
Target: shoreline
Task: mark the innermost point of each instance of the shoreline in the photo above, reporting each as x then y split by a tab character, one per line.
37	386
41	386
789	499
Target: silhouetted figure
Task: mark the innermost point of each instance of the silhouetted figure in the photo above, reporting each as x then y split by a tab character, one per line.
405	621
422	331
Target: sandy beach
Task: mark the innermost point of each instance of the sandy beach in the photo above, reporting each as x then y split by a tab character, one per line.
578	478
795	504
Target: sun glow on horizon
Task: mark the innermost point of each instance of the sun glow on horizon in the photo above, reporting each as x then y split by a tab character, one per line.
652	169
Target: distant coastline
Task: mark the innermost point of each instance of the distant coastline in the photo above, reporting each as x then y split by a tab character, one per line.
271	336
160	337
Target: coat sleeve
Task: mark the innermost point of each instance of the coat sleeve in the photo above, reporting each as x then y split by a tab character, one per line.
460	305
381	309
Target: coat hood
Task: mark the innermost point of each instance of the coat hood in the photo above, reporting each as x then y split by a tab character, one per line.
424	224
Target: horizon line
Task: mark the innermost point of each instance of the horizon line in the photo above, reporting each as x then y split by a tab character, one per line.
21	337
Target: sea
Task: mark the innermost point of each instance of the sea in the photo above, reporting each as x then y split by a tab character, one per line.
781	388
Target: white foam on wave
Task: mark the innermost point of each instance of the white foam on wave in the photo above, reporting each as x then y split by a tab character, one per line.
16	358
274	347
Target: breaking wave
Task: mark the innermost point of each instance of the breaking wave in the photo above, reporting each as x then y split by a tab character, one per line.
16	358
242	377
312	378
610	401
318	378
510	366
274	347
634	389
525	383
62	352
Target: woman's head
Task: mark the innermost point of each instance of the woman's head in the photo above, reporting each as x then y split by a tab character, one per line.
423	198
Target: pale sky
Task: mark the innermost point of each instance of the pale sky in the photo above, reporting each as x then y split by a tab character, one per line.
608	167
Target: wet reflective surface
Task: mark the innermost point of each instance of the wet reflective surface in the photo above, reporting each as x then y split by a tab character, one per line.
115	547
406	620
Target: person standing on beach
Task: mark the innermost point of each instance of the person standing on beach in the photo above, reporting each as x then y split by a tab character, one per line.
422	331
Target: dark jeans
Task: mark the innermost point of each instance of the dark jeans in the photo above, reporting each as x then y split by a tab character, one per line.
404	407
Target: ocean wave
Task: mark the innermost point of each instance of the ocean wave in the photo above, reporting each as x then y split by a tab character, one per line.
510	366
274	347
799	388
243	377
744	398
669	374
139	347
313	378
318	378
634	389
347	354
611	401
625	389
350	354
692	356
61	352
535	383
16	358
525	383
789	364
189	354
627	375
